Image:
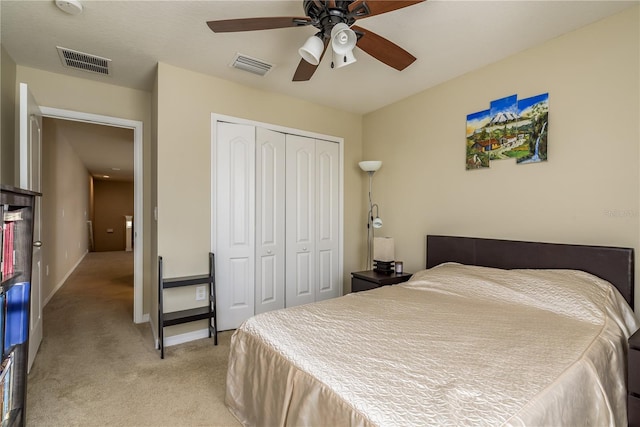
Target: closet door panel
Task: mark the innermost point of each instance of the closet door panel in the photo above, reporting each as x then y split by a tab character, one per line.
327	222
235	223
300	220
270	223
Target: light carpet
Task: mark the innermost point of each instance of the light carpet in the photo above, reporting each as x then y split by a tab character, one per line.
95	367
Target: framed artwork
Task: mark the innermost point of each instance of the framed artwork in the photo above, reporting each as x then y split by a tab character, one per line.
509	129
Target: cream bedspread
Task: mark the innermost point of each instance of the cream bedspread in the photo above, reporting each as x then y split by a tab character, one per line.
456	345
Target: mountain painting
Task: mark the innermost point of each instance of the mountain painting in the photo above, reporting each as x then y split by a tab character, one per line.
509	129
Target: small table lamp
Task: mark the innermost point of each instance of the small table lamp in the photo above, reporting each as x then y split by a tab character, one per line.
383	254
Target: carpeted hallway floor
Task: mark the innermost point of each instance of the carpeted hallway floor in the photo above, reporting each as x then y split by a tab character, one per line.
95	367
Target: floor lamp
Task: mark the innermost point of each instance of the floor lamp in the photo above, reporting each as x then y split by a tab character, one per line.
371	166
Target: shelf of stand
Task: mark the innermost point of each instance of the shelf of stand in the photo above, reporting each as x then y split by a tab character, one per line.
207	312
186	316
8	282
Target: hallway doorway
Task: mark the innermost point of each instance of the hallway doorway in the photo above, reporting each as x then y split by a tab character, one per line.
134	127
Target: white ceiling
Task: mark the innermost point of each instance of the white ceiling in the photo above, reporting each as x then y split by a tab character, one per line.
449	38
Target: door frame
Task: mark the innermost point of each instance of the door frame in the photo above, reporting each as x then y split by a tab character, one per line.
29	113
137	127
216	118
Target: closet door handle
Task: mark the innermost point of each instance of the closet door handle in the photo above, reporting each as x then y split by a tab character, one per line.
269	251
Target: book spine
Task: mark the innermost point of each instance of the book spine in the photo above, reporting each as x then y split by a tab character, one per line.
5	249
10	249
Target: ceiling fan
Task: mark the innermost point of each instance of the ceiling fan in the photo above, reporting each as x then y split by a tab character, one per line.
334	20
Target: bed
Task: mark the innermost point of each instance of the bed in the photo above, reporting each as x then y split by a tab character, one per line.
493	332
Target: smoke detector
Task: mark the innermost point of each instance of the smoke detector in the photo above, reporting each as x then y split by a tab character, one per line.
72	7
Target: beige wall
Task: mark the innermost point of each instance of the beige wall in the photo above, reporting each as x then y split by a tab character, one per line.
65	207
72	93
7	117
185	102
112	200
587	192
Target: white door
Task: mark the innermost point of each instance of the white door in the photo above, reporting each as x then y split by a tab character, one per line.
29	169
329	284
301	216
235	223
270	220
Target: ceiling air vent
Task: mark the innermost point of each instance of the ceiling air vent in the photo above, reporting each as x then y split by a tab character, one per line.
84	61
252	65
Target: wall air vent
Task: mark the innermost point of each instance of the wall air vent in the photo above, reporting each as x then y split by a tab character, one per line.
84	61
252	65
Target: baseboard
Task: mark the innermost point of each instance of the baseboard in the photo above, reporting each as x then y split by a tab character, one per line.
64	279
154	334
186	337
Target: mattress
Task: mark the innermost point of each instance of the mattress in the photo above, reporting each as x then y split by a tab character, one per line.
456	345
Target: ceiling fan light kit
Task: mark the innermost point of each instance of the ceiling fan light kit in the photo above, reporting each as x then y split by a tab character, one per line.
312	50
343	40
335	21
340	61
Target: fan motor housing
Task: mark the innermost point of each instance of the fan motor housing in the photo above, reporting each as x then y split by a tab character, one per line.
325	18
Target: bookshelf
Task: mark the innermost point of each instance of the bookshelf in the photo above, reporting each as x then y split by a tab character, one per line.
16	236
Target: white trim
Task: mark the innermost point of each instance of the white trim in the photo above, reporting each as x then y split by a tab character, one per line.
215	118
23	148
341	216
229	119
186	337
64	279
137	126
154	333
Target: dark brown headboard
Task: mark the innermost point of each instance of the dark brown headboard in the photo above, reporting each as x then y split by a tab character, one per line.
610	263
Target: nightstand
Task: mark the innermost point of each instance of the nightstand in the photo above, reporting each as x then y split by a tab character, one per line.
365	280
633	383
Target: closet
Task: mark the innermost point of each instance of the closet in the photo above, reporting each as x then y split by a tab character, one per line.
276	219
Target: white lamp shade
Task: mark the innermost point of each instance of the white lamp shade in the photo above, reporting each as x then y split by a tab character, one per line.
384	249
340	60
370	165
312	50
343	39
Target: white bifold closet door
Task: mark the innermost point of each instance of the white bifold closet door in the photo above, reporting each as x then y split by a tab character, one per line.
277	221
235	224
327	227
312	192
270	220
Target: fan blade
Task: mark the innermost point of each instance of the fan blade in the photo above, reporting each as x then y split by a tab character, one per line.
358	9
253	24
306	70
382	49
